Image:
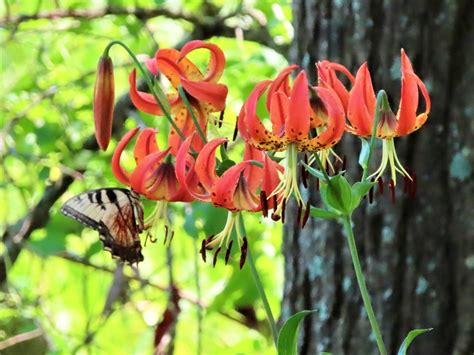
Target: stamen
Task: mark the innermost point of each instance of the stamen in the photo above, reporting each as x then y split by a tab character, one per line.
171	238
413	186
380	184
202	251
298	218
283	208
275	216
391	186
208	241
344	162
216	254
221	118
166	234
303	176
236	129
306	215
227	253
225	145
317	185
264	203
243	253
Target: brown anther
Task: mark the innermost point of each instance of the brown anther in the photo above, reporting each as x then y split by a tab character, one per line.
243	253
264	203
306	215
208	240
391	186
236	129
227	253
275	217
202	251
216	254
221	118
380	185
171	237
225	144
317	184
337	167
344	162
166	235
298	217
275	202
283	208
303	176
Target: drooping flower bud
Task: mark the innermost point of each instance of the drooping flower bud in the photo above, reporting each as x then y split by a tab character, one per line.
104	93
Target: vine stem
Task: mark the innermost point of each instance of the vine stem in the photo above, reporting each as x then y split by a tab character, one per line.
258	284
347	222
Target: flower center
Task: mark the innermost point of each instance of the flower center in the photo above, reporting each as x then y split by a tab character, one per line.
289	184
389	157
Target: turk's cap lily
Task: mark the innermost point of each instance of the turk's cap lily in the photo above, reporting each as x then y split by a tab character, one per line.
327	77
104	94
238	188
291	116
361	105
154	176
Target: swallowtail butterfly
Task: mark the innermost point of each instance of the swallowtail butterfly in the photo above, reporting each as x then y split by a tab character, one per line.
117	214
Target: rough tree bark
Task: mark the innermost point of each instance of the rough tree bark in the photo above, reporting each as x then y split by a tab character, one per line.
417	254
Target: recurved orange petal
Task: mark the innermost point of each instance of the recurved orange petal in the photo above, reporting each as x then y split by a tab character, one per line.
216	59
121	174
361	106
281	83
145	144
143	101
212	93
299	110
206	163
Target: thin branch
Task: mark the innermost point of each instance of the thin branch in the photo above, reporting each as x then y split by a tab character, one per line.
90	14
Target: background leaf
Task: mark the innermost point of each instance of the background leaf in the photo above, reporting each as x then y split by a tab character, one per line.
288	337
409	338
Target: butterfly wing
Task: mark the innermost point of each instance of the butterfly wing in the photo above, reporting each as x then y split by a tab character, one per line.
117	214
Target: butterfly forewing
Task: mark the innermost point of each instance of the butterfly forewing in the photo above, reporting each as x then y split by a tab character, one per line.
117	214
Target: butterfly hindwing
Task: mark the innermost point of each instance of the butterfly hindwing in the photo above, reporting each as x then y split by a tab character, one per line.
117	214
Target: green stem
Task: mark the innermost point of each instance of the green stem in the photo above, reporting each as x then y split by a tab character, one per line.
381	103
148	81
193	116
362	286
258	284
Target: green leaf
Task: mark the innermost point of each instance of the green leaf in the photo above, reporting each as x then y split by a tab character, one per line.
364	153
409	338
314	172
288	337
222	167
326	214
325	353
359	190
339	193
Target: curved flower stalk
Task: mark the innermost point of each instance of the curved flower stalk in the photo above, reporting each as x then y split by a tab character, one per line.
238	189
203	91
360	106
154	176
292	119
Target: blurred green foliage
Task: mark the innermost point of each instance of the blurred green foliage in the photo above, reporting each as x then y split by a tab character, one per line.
48	68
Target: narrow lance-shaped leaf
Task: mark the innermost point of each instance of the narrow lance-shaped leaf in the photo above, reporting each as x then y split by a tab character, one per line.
288	337
409	339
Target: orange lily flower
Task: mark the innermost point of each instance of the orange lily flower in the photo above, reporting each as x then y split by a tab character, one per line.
205	95
292	119
361	111
237	189
154	176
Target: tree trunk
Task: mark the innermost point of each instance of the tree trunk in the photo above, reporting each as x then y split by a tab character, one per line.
417	254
